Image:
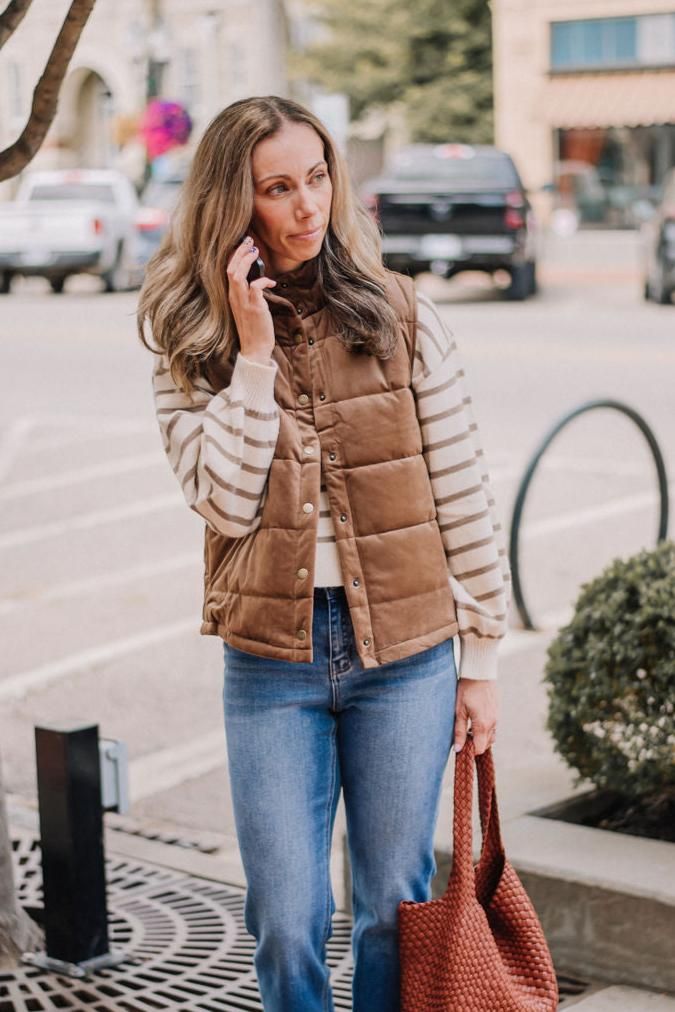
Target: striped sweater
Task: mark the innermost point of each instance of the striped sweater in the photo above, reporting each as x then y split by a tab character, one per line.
220	444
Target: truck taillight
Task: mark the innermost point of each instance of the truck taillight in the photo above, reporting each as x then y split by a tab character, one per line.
514	217
149	219
97	225
372	203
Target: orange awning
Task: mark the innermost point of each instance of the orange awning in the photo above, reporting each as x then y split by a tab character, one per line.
639	98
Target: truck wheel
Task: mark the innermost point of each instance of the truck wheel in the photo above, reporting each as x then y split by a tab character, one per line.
532	276
117	278
659	291
56	285
520	286
5	282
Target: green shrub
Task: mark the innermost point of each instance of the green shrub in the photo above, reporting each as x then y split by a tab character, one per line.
611	678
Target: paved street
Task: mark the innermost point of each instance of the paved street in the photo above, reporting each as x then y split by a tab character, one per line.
100	560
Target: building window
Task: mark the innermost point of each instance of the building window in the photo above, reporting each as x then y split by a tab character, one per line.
597	43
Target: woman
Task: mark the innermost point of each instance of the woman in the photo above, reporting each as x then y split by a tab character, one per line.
317	420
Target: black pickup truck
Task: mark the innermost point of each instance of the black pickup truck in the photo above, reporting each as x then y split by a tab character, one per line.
455	207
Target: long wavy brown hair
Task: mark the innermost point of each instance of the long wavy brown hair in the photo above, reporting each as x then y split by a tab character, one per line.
184	295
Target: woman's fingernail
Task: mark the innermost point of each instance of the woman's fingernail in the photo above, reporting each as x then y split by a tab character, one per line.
248	239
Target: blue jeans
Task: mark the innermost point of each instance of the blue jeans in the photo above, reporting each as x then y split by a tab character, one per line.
298	733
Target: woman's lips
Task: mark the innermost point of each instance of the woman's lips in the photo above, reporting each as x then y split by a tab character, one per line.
308	235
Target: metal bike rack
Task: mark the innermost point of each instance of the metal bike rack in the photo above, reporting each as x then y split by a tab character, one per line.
518	595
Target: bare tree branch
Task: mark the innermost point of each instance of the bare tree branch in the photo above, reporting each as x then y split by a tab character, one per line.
11	18
46	95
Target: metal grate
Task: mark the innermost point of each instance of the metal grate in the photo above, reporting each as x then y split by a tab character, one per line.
186	939
187	943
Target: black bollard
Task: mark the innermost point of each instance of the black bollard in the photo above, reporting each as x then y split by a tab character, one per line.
73	857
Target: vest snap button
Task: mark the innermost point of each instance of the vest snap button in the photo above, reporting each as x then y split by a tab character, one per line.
303	399
298	335
310	340
322	397
343	518
307	507
366	642
302	574
300	307
332	455
302	634
309	450
356	582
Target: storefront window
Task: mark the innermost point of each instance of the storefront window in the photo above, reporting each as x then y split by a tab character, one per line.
610	177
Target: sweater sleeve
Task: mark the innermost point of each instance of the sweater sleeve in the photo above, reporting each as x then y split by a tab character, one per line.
472	535
220	444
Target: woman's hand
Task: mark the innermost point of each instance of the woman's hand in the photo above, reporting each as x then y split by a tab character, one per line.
476	701
250	310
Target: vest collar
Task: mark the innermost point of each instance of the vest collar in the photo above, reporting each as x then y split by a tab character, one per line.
297	293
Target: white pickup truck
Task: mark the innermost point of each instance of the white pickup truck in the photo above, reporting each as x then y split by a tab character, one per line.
72	221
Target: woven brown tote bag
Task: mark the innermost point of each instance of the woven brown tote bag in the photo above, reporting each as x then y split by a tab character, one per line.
480	947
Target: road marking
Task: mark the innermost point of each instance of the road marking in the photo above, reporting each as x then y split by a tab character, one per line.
75	436
122	465
95	423
577	518
101	581
12	442
169	767
87	521
595	465
18	686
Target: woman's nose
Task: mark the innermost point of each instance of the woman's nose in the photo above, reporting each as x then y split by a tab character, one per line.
306	201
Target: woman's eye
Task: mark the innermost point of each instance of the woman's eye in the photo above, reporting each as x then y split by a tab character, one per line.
278	186
319	175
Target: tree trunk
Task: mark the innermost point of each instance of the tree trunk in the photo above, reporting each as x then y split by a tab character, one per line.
18	933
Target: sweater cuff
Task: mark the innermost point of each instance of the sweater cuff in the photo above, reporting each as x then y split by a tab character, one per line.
253	382
478	658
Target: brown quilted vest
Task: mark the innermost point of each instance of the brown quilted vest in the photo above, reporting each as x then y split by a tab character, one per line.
359	413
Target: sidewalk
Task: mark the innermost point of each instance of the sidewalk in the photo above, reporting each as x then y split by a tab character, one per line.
529	775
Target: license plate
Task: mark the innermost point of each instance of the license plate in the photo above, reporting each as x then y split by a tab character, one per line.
36	257
436	247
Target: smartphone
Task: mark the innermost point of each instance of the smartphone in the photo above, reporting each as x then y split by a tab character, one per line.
257	268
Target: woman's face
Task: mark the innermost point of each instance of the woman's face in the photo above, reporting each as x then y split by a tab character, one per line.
293	191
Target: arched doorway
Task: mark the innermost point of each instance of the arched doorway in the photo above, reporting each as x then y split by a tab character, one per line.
88	109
